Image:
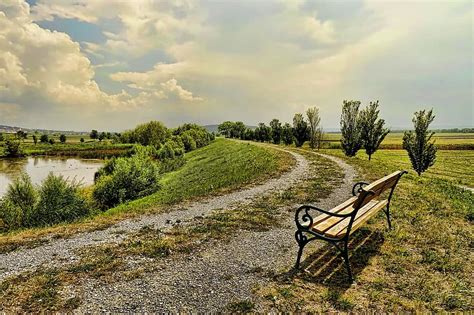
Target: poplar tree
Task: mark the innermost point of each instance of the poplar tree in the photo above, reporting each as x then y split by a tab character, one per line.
372	131
420	148
350	129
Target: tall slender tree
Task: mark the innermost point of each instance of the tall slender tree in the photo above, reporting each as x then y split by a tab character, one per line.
314	121
420	148
372	128
275	124
300	129
287	134
350	129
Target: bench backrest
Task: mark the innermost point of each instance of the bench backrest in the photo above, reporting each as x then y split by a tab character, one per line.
376	188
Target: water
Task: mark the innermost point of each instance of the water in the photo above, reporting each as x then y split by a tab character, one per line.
38	168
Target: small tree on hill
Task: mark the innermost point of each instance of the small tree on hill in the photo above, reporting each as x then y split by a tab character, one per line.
350	130
94	134
313	124
35	139
421	151
51	141
371	128
287	134
62	138
275	124
300	129
44	138
238	130
82	140
1	137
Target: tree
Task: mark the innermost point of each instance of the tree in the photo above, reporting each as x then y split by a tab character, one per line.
263	133
300	129
421	151
287	134
12	148
82	140
1	137
102	136
51	141
249	134
21	135
62	138
319	137
44	138
94	134
275	124
313	123
35	139
226	128
350	130
372	131
238	130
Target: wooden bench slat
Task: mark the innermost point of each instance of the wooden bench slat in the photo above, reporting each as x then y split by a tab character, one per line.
364	214
345	206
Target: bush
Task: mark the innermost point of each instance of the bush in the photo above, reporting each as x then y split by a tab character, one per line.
188	141
59	201
13	148
11	216
126	179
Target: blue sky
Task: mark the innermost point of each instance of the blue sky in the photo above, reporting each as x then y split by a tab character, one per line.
112	64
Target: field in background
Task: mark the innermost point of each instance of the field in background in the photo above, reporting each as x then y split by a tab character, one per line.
445	141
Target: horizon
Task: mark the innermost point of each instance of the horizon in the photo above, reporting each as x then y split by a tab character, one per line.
82	65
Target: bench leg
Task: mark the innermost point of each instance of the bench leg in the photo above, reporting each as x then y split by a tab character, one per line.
345	255
302	241
387	213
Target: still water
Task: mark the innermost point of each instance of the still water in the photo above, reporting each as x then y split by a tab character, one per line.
38	168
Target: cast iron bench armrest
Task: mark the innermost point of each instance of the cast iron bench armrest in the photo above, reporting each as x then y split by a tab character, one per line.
357	188
307	218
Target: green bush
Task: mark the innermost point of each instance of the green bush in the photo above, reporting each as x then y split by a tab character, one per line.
12	148
11	216
59	201
56	200
126	179
188	141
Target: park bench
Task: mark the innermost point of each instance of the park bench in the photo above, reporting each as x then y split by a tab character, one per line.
338	224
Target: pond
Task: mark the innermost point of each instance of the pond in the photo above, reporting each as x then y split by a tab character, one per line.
38	168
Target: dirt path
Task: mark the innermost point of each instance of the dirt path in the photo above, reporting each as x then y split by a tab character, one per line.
214	276
58	252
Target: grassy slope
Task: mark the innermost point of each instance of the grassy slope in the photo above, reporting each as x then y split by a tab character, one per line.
424	263
221	166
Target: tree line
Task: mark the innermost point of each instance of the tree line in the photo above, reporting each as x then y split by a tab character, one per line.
361	128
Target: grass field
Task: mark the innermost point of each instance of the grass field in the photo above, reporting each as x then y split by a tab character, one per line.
219	167
448	141
423	264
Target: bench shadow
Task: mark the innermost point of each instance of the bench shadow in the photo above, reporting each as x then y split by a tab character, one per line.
326	266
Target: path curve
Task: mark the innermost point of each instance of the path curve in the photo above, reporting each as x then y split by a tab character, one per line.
211	277
58	252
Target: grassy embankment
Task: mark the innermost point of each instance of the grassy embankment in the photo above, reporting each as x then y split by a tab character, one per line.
423	264
219	167
42	290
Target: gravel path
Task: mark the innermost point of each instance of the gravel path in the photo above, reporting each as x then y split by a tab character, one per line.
58	252
212	277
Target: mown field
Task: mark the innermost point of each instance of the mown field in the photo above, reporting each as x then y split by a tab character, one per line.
446	141
423	264
222	166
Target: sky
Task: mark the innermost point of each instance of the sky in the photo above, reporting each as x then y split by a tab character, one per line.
110	64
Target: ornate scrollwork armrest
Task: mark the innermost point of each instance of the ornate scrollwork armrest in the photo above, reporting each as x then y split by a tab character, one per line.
304	221
357	188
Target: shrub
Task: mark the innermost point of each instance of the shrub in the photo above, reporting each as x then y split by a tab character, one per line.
59	201
13	148
188	142
11	216
62	138
128	179
22	193
44	138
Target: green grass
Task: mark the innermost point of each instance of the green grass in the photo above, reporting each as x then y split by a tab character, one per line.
222	166
423	264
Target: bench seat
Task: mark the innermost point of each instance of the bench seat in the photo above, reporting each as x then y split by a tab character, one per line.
336	227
